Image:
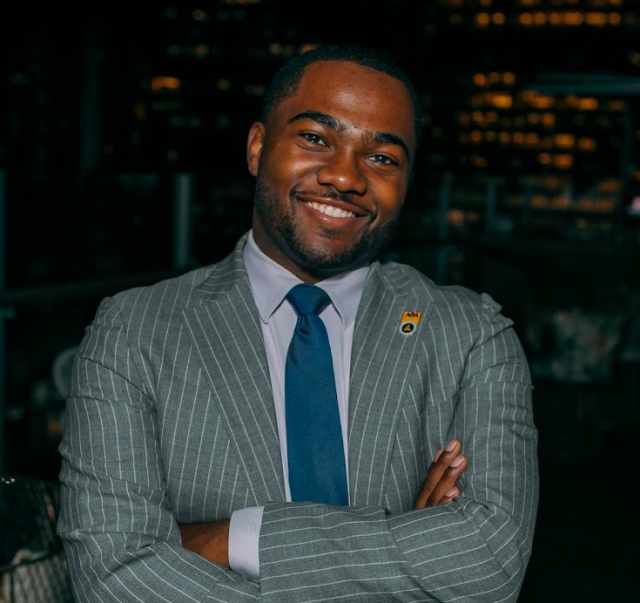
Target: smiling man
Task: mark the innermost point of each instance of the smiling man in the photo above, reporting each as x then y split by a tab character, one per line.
287	425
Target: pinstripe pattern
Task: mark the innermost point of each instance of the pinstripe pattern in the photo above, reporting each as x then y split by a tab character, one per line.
171	420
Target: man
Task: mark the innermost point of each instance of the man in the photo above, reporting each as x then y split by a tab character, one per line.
190	398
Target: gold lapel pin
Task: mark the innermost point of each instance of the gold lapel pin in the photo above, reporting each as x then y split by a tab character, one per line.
409	322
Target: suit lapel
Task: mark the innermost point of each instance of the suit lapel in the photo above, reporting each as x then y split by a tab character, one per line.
226	333
380	363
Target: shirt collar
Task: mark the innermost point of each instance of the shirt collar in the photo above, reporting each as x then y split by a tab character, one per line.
271	282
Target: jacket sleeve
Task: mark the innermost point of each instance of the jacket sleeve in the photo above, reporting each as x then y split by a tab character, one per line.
121	539
474	548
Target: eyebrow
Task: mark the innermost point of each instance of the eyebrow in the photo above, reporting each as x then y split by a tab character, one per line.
339	126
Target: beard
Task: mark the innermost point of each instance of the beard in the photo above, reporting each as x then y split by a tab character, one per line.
314	257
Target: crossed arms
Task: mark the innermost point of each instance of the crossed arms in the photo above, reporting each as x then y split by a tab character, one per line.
124	543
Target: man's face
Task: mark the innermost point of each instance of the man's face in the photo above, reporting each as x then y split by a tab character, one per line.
332	165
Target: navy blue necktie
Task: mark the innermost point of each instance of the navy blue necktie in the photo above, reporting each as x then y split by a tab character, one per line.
315	451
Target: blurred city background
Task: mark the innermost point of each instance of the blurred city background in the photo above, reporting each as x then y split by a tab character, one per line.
122	162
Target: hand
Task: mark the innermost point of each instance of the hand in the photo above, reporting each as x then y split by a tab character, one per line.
209	540
439	487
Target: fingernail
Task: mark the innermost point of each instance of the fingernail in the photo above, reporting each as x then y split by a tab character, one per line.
438	453
458	461
451	446
452	492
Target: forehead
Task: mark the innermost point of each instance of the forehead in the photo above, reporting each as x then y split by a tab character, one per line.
362	97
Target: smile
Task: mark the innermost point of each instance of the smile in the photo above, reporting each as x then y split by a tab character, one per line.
329	210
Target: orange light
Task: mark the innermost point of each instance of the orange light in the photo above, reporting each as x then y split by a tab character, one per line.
508	78
525	19
307	47
544	158
586	144
540	18
563	161
503	101
565	141
480	80
587	104
483	19
596	19
161	82
476	136
555	18
548	119
504	137
499	18
615	18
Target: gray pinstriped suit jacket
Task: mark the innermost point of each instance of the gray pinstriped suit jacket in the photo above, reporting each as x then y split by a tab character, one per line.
171	421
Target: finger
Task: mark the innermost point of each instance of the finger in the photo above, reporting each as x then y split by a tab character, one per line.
449	496
441	463
447	481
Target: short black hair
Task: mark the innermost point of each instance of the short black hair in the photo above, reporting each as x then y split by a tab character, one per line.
286	81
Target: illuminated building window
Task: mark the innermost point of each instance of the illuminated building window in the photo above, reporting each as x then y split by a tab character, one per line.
573	18
544	158
563	161
587	104
490	136
596	19
518	138
532	139
478	117
504	137
508	78
494	77
478	161
485	3
555	18
483	19
615	18
480	80
586	144
548	119
499	19
463	119
476	136
533	118
540	18
160	83
529	2
616	105
492	117
565	141
525	19
503	101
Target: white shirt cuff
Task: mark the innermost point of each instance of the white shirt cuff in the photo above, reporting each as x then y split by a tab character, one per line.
244	537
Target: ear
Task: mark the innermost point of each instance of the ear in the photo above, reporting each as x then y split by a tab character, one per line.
255	141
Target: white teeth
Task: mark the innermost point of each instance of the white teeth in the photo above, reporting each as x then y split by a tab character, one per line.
329	210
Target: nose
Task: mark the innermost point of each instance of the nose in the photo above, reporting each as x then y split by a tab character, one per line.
343	172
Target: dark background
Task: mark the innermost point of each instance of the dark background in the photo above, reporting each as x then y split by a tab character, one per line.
122	162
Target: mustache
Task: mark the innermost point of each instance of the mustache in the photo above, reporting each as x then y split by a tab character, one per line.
330	195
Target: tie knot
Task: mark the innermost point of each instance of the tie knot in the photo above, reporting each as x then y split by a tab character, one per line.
308	299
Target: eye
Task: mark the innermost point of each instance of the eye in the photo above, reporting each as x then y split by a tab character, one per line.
383	159
314	139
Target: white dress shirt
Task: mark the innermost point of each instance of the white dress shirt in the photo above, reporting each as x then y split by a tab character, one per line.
270	284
